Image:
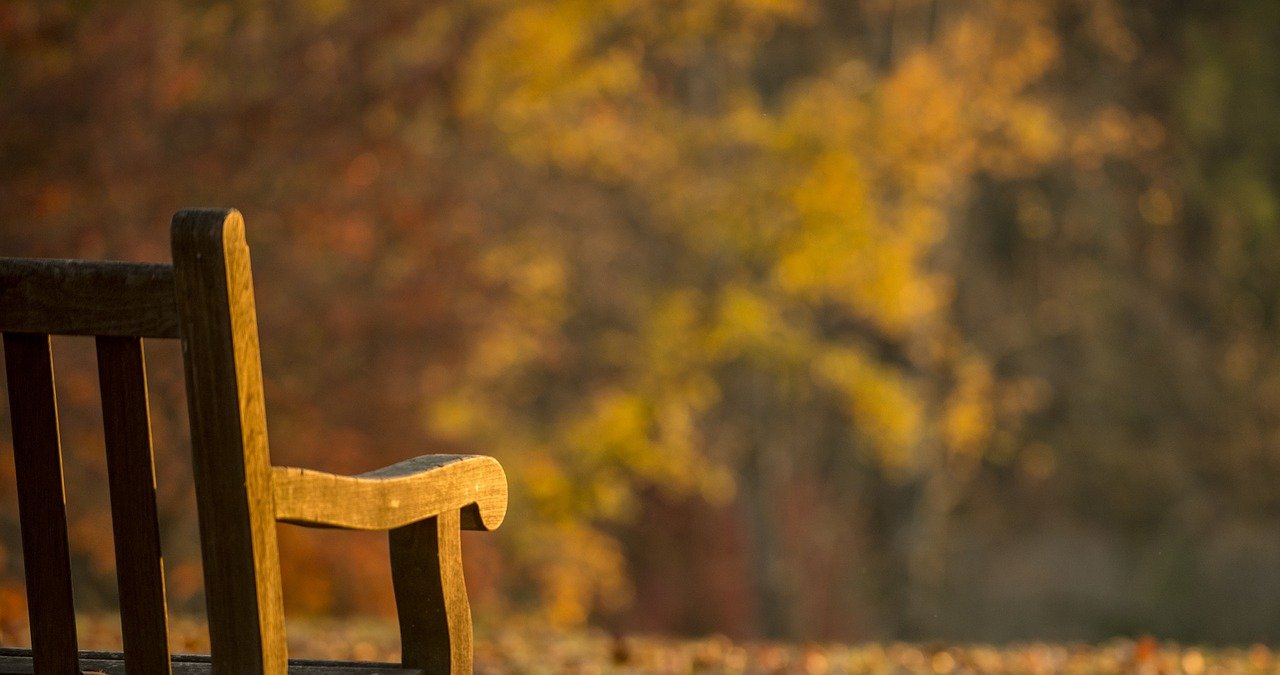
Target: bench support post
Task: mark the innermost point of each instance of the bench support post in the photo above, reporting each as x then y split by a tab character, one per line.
431	596
219	330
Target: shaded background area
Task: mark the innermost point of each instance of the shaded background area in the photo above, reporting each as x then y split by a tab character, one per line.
797	319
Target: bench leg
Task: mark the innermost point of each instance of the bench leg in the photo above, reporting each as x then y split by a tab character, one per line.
431	598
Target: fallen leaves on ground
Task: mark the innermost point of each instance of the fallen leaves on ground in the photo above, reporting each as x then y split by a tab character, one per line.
521	648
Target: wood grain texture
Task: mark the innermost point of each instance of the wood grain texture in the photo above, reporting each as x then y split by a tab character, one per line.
395	496
431	595
79	297
132	477
19	661
206	298
218	326
37	458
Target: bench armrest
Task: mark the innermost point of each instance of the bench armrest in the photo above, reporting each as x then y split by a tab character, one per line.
394	496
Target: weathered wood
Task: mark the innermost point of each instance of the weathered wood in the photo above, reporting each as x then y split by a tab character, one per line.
78	297
395	496
37	458
132	478
218	326
206	297
431	595
113	663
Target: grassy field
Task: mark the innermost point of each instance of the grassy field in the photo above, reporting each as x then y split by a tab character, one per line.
525	649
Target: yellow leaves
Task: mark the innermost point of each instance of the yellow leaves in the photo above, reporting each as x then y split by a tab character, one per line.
828	114
1001	52
544	80
669	341
580	569
868	260
501	349
1027	58
324	11
832	193
923	108
968	98
547	485
653	436
1034	136
618	425
455	416
763	214
1036	131
782	9
527	267
535	277
834	229
718	486
885	408
888	409
745	321
707	17
679	28
968	418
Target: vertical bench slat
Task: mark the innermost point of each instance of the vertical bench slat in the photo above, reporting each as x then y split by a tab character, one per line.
37	458
132	477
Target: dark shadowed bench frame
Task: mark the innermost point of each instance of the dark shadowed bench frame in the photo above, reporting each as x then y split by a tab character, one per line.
205	298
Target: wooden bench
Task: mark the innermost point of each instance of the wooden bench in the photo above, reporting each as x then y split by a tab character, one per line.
205	299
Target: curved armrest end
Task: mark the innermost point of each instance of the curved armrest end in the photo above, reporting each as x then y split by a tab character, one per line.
394	496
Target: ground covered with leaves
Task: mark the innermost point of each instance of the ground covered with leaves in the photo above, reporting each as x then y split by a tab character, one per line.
529	649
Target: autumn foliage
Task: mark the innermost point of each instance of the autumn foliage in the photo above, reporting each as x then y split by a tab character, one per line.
787	318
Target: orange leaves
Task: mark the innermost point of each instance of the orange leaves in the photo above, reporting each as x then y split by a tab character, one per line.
52	200
13	613
924	109
182	85
362	170
971	97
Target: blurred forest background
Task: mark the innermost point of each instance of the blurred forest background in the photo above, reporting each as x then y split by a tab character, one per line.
807	319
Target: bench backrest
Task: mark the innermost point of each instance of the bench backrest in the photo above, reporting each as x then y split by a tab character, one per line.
205	298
